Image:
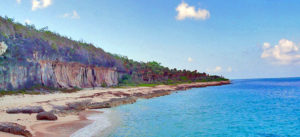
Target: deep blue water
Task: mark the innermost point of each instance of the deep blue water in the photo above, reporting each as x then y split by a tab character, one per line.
257	107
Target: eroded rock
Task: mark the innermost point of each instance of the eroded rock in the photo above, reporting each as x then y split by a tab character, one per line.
80	105
28	110
46	116
14	128
112	103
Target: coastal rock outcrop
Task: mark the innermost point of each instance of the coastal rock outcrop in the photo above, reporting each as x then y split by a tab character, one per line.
27	110
155	93
80	105
112	103
46	116
14	128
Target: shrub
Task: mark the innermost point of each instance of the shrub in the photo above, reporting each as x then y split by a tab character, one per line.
103	84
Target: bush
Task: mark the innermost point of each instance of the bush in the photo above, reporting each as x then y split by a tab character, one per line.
103	84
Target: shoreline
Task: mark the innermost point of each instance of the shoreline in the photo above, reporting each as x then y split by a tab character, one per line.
92	99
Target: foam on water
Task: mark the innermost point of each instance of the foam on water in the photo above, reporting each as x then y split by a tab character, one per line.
101	122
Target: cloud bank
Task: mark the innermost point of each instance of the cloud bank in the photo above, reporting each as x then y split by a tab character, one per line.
186	11
284	53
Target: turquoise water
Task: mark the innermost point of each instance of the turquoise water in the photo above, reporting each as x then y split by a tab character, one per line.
258	107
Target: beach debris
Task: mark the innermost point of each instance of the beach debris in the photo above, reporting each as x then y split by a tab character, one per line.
27	110
14	128
46	116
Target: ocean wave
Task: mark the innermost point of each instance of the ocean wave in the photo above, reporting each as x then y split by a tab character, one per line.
100	123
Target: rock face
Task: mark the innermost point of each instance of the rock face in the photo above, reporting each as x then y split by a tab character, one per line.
14	128
69	75
27	110
46	116
57	74
30	58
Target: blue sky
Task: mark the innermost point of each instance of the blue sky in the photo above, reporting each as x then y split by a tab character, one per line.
233	38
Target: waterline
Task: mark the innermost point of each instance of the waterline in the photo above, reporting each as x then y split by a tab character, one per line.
101	122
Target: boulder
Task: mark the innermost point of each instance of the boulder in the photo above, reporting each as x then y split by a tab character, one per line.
14	128
46	116
28	110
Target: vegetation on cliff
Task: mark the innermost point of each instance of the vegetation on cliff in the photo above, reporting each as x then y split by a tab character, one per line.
32	57
152	73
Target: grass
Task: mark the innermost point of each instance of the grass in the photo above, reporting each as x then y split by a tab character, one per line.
33	90
169	82
18	92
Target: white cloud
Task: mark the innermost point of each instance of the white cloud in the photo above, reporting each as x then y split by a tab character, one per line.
189	59
73	15
285	52
19	1
266	45
229	69
27	21
216	69
186	11
40	4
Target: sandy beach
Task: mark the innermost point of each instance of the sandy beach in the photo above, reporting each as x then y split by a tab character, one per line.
69	123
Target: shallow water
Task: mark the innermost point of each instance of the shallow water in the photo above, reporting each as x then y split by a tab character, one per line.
257	107
101	122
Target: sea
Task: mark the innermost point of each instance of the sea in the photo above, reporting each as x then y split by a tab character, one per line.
245	108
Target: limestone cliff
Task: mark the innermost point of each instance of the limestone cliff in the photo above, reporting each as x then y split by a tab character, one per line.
31	57
69	75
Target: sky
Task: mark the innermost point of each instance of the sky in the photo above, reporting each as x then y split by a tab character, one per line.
233	38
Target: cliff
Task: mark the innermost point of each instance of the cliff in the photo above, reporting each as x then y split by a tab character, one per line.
68	75
31	57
